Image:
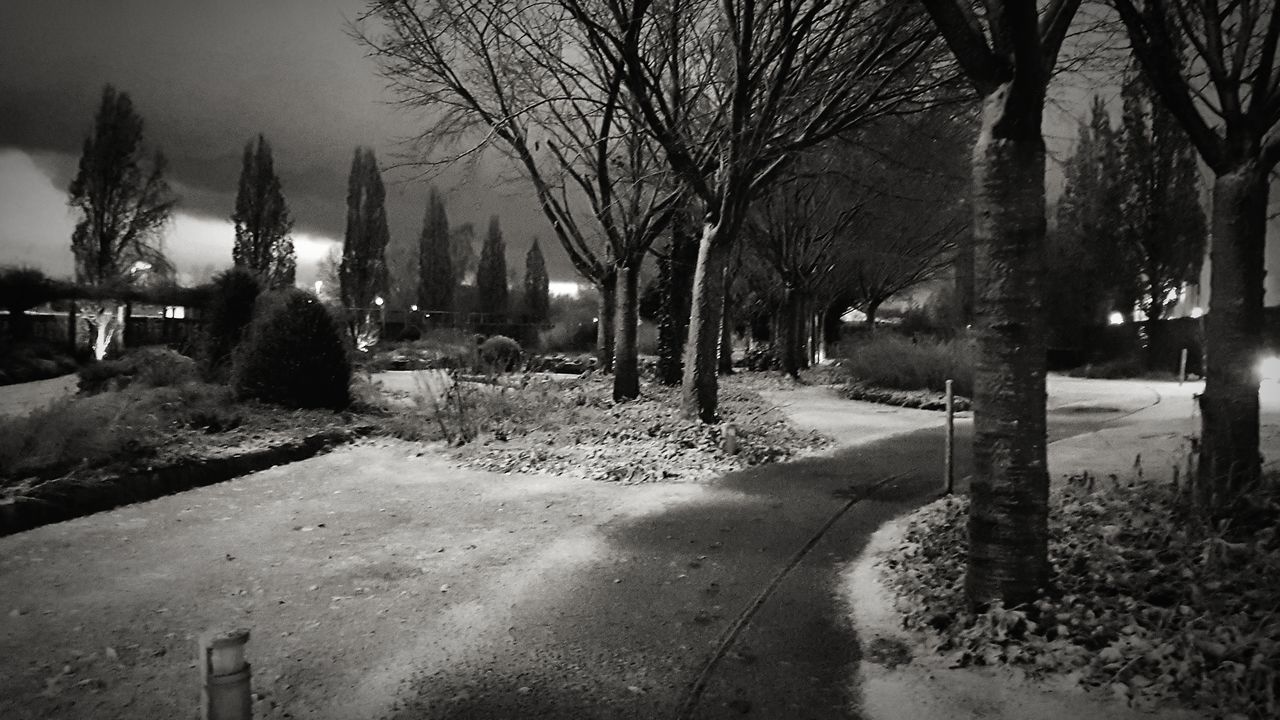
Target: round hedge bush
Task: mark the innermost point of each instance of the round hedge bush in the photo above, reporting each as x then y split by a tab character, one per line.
227	314
500	354
293	354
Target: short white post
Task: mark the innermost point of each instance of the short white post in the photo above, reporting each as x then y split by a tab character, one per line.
951	439
1182	367
225	687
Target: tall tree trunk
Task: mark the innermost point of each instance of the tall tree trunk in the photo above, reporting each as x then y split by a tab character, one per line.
1008	515
699	389
1229	449
725	366
677	286
789	336
872	309
626	366
608	287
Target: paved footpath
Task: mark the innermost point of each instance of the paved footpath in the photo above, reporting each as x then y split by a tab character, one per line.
379	582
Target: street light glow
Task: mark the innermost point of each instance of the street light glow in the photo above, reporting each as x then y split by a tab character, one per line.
378	301
1115	318
413	308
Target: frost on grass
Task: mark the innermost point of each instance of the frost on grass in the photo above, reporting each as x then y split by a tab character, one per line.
1148	602
573	427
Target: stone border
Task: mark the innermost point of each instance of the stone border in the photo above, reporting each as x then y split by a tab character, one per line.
67	498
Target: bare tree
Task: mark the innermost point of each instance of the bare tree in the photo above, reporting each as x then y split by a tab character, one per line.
1226	95
733	90
1008	51
513	76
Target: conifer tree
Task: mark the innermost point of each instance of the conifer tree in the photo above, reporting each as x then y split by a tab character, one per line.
262	220
537	286
435	267
491	276
363	272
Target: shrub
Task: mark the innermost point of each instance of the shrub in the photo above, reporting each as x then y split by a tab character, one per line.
33	360
228	312
500	354
924	363
293	354
150	367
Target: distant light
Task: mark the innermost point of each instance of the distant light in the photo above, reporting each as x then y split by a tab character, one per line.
177	312
139	266
564	288
1197	312
413	308
1115	318
595	319
378	301
319	286
1269	369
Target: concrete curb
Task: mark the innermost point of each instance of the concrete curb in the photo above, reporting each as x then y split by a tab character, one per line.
66	499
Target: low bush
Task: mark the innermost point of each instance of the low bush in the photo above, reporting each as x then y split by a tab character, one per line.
228	311
1120	368
32	360
293	355
921	363
442	349
149	367
500	354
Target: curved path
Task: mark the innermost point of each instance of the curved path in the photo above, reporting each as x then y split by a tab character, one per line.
380	582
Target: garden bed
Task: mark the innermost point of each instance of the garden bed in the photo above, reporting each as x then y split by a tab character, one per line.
1149	604
572	427
920	399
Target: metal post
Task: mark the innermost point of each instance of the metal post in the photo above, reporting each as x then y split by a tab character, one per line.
1182	367
951	438
225	686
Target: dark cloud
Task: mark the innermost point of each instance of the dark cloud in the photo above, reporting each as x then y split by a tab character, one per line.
208	76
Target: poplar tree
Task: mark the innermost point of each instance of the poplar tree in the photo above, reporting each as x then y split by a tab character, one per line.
537	286
435	266
363	272
262	220
491	276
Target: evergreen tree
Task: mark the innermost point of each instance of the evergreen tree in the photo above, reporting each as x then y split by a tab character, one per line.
262	220
435	266
491	275
462	252
1162	224
123	205
537	286
363	272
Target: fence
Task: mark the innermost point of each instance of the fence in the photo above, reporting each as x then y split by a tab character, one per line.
71	330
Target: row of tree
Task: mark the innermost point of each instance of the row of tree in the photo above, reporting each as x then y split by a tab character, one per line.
627	117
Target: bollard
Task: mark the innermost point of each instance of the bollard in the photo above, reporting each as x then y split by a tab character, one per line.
224	690
949	470
1182	367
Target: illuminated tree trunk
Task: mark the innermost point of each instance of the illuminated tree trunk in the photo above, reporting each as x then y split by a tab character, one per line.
1008	517
700	387
1229	445
626	369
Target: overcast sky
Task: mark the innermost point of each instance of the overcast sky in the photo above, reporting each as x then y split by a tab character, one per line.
208	75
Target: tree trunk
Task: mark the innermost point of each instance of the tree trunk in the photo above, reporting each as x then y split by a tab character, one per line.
725	366
678	281
1230	461
700	386
789	336
626	367
1008	514
872	309
608	287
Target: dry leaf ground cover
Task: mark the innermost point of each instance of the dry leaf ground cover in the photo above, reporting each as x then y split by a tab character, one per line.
571	426
1149	603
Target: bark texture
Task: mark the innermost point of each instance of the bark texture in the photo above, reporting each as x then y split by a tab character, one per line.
1008	536
700	387
626	367
1230	460
605	316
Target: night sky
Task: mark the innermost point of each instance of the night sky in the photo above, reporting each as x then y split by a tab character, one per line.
208	75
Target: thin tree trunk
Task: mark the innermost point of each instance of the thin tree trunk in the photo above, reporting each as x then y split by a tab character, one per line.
626	367
1230	461
872	309
1008	514
725	366
608	287
700	386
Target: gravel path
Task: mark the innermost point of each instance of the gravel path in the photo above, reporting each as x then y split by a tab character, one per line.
380	582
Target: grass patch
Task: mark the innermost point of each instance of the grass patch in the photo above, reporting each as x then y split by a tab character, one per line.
1149	603
889	360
